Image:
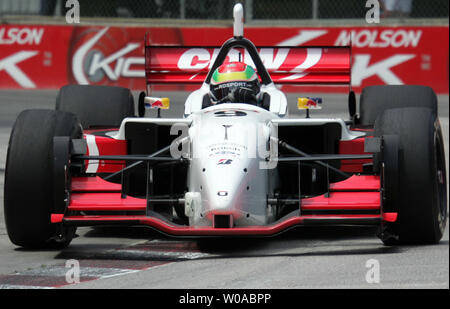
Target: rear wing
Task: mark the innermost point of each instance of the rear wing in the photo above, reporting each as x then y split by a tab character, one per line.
285	65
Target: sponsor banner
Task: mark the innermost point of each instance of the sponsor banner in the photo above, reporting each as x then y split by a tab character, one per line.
48	57
33	57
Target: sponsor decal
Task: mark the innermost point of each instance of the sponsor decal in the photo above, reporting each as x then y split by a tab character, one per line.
10	66
274	59
21	36
228	149
232	84
362	69
309	103
379	38
115	65
195	59
313	57
225	162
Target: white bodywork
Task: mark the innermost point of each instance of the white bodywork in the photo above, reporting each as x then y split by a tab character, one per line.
278	101
227	146
227	164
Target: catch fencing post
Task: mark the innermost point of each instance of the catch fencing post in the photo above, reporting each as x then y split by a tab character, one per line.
248	10
182	9
315	9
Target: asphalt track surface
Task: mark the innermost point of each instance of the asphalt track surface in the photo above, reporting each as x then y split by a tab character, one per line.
139	258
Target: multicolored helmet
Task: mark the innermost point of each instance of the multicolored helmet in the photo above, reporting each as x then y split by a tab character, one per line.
234	82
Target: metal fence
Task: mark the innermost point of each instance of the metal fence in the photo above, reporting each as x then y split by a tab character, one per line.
222	9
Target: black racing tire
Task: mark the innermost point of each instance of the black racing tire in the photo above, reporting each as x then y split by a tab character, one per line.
28	190
421	189
376	99
96	106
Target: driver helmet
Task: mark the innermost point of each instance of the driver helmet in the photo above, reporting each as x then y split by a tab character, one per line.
234	82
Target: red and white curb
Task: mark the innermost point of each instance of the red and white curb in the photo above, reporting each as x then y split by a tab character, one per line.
106	264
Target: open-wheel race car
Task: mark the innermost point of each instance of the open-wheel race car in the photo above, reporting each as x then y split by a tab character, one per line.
235	164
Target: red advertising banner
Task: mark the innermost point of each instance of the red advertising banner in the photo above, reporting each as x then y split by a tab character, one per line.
48	57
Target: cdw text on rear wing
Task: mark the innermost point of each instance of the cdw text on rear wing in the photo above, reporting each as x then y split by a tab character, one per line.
286	65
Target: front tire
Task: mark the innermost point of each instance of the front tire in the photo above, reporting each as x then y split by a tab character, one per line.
29	179
421	194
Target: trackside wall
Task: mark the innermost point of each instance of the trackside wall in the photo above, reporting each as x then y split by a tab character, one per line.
50	56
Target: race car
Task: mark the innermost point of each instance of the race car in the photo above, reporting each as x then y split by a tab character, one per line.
236	164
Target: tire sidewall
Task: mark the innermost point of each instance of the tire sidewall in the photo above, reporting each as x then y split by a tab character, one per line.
28	188
418	204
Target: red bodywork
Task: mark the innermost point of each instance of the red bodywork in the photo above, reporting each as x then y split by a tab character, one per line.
100	144
354	201
286	65
355	146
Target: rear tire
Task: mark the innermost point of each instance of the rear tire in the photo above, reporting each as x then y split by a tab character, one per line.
96	106
29	198
421	195
376	99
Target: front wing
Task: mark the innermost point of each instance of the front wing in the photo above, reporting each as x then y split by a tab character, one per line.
355	201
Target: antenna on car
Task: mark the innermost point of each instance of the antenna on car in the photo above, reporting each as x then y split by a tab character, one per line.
238	25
